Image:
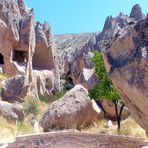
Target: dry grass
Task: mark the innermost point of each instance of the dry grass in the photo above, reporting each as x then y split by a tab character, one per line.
128	127
10	130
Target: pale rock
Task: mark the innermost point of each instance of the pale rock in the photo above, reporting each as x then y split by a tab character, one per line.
73	111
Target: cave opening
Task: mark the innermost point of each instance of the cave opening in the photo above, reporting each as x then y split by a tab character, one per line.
19	56
69	81
1	59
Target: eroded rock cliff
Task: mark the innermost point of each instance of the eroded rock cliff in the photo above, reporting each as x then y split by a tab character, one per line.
126	61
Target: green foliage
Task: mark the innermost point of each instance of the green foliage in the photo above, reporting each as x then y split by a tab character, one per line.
105	88
68	86
43	99
31	106
59	95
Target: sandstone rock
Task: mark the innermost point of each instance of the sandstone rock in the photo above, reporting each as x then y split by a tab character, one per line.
21	51
12	112
45	56
126	63
137	13
109	109
74	51
22	7
72	139
43	83
14	89
113	25
74	110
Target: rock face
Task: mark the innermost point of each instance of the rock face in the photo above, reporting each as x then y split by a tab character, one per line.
14	89
74	110
15	37
137	13
109	109
12	112
25	47
76	140
126	61
75	53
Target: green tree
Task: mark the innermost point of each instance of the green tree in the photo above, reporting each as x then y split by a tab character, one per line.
105	88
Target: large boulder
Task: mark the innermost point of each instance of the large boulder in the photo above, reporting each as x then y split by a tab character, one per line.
74	110
12	112
126	60
14	89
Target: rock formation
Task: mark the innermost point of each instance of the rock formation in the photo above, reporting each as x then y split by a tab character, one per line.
12	112
25	48
73	111
75	54
137	13
109	109
65	139
126	62
14	89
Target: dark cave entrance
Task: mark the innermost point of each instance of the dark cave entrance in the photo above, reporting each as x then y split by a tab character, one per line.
19	56
69	82
1	59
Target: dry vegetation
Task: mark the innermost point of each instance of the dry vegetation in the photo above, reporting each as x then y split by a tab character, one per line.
34	109
128	127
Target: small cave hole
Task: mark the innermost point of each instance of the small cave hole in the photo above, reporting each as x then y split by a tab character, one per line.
19	56
1	59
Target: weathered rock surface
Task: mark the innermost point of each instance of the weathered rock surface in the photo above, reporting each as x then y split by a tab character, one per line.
44	83
109	109
25	47
12	112
74	110
137	13
126	63
14	89
76	140
75	53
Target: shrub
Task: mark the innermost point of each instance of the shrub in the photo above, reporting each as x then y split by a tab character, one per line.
59	95
31	106
43	99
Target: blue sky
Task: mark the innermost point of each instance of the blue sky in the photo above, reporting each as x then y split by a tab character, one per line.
76	16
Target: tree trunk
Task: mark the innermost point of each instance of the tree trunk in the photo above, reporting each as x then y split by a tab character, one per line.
118	115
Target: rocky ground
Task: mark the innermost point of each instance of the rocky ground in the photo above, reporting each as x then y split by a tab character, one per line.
45	81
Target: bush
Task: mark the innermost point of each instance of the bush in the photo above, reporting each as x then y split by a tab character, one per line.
59	95
43	99
31	106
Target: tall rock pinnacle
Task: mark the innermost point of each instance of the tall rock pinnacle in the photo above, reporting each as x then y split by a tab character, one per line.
136	12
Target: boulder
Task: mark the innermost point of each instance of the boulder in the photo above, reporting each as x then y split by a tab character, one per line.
12	112
14	89
126	61
74	110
